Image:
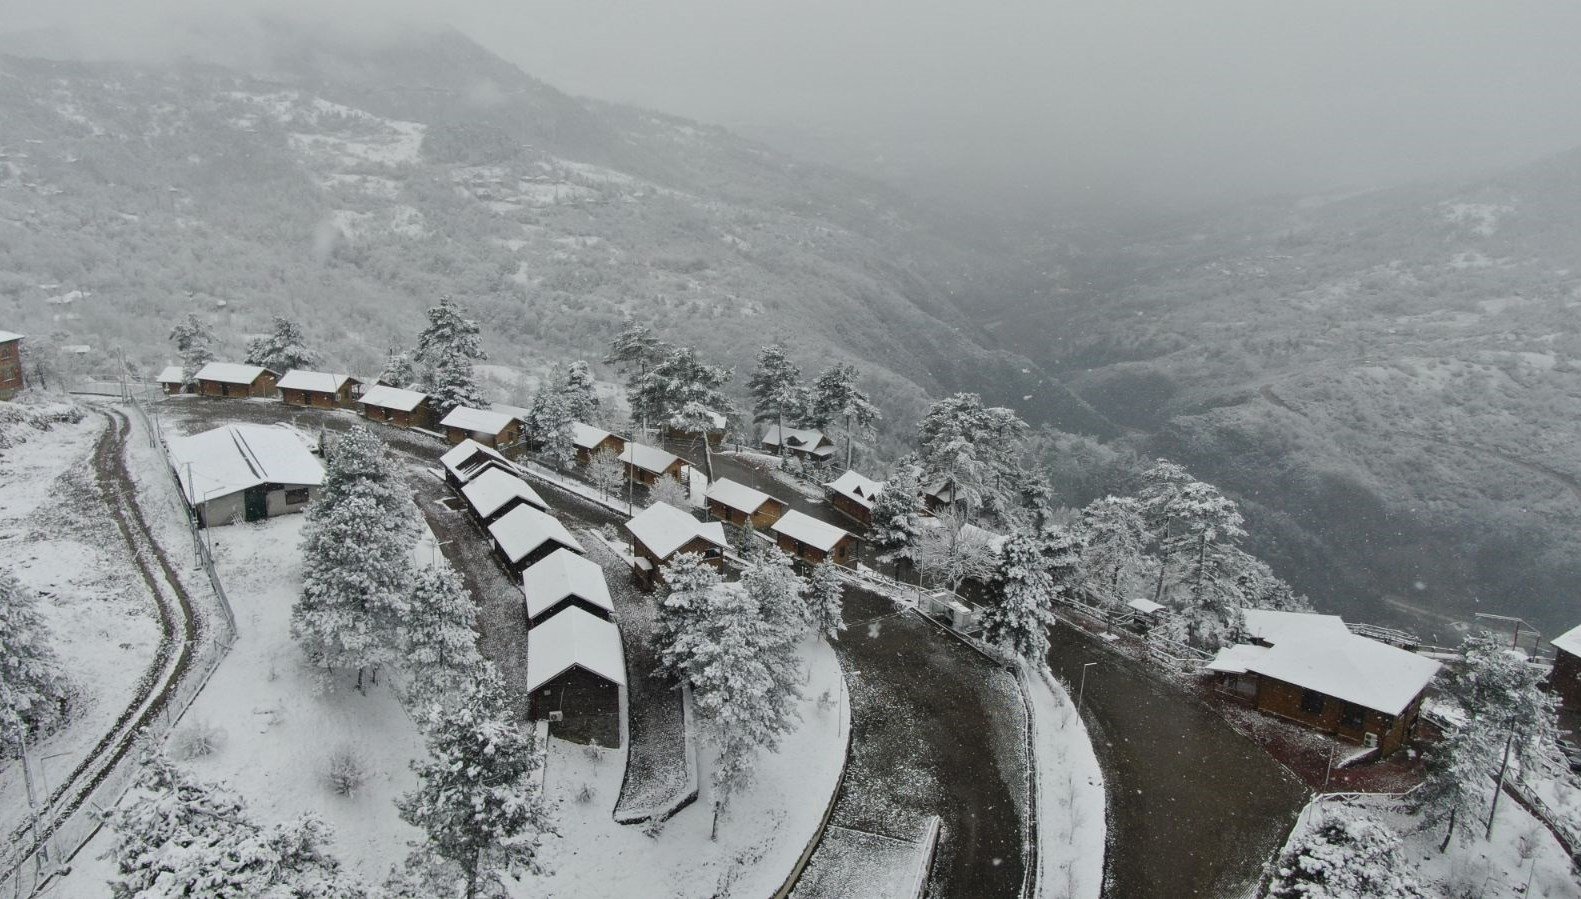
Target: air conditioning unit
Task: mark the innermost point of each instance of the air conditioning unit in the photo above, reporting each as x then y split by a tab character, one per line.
1370	741
962	618
558	716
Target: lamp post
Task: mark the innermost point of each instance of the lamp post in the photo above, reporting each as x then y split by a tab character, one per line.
1081	691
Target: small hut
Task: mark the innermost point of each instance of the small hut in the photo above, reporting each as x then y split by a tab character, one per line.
661	532
12	379
1565	680
495	492
591	441
563	579
524	535
484	426
808	443
232	379
469	459
319	389
738	504
576	674
245	472
395	406
813	541
172	380
646	464
853	495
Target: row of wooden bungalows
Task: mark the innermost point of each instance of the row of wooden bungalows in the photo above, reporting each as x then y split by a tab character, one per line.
576	666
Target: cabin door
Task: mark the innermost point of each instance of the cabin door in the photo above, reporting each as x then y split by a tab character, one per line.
256	504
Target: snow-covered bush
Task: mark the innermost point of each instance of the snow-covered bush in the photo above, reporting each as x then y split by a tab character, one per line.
1346	856
18	419
198	739
670	492
32	688
346	770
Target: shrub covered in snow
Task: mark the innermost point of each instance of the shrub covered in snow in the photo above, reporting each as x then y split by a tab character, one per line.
32	688
1344	857
198	739
346	770
19	419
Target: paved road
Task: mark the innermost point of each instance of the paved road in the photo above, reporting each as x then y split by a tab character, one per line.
1194	807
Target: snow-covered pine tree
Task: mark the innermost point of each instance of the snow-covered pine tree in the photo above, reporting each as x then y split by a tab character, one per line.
1258	586
1114	561
835	397
635	351
356	552
995	437
780	593
826	600
1504	698
1023	590
195	342
579	392
441	655
683	392
446	349
32	688
1349	856
282	349
776	388
550	421
689	583
475	800
1455	790
1197	530
898	512
399	370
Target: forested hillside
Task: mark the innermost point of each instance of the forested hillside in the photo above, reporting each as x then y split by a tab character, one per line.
1390	380
349	187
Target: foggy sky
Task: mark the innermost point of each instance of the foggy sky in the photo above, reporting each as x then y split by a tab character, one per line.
1168	100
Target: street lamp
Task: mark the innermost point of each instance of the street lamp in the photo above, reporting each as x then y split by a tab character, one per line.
1081	691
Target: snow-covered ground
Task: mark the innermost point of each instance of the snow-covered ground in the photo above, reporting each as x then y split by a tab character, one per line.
765	828
1071	822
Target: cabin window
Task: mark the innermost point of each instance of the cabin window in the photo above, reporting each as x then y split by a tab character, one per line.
1312	702
297	496
1352	716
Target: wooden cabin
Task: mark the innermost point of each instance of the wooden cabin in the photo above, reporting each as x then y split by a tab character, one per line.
576	675
808	443
319	389
1360	690
813	541
172	380
495	492
485	426
591	442
853	496
938	497
395	406
524	535
469	459
661	532
646	464
716	432
737	503
562	579
1565	679
232	379
245	472
12	380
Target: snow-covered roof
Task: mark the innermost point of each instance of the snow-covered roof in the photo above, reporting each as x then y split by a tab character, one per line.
468	458
856	487
234	457
1234	659
805	529
8	336
560	574
230	372
587	437
1271	626
523	529
1350	668
1146	606
385	397
973	533
171	374
572	638
737	496
663	529
493	488
481	421
807	440
648	458
716	419
1569	641
316	381
943	491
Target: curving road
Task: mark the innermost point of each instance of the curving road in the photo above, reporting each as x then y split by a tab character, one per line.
1194	807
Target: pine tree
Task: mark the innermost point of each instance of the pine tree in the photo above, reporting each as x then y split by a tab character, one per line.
283	349
826	600
551	420
399	370
835	397
684	392
32	688
1023	591
1259	588
441	656
973	449
579	392
636	352
775	387
780	593
475	800
1503	696
898	512
1114	558
356	561
689	583
1455	789
1345	858
195	342
445	352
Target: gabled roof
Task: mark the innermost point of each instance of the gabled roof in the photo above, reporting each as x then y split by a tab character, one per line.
8	336
1569	641
1271	626
738	496
856	487
230	372
805	529
467	459
1234	659
717	420
524	529
943	491
493	488
663	529
482	421
806	440
587	437
171	374
562	574
396	398
1147	606
572	638
235	457
648	458
1350	668
316	381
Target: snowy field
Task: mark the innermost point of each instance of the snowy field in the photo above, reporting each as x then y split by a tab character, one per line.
57	538
763	832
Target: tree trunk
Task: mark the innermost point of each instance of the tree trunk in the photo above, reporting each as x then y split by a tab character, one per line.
780	420
849	446
708	460
713	833
359	681
1453	813
472	875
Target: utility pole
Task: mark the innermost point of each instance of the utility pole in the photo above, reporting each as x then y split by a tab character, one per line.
1081	691
40	853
